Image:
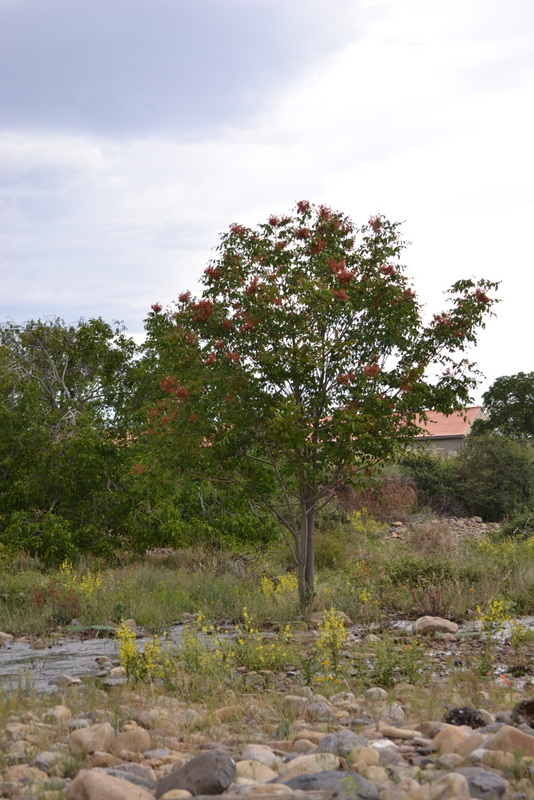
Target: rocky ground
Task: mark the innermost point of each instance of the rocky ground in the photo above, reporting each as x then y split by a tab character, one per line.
109	745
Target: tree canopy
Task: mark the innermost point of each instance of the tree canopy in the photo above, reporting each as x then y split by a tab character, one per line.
304	363
509	405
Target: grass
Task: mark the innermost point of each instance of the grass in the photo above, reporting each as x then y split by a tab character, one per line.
360	570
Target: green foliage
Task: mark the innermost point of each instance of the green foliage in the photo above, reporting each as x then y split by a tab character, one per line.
497	476
509	405
520	527
303	363
437	480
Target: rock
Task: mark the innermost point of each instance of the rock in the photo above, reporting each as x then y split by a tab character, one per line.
482	783
256	771
304	746
209	773
346	785
117	672
101	759
261	753
88	740
390	732
376	693
227	712
176	794
448	739
312	736
65	680
316	762
317	617
471	742
449	787
392	712
133	741
428	625
465	716
137	774
92	785
294	705
58	714
5	637
25	773
362	757
130	623
320	711
262	789
341	743
523	712
511	740
497	759
376	775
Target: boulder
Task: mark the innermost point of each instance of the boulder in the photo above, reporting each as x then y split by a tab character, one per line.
429	625
209	773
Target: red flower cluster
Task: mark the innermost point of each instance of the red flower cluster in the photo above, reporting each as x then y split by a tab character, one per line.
303	206
341	294
191	338
408	294
478	294
212	272
233	356
209	360
274	220
302	233
249	325
346	378
202	310
338	268
376	223
276	301
281	245
227	324
317	246
371	370
388	269
252	288
185	297
156	308
239	230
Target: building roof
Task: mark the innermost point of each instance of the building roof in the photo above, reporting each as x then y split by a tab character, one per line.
456	424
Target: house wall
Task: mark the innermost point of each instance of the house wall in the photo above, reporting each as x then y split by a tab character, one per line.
447	444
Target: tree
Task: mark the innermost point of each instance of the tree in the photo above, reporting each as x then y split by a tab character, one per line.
509	405
63	392
496	476
304	363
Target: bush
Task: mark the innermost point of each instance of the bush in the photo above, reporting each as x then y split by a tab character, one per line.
520	527
437	481
497	476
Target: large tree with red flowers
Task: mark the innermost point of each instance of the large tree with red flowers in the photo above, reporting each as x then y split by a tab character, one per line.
305	362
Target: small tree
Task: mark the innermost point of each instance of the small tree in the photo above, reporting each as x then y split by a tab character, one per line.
304	363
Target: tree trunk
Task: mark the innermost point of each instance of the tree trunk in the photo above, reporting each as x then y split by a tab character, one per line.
306	548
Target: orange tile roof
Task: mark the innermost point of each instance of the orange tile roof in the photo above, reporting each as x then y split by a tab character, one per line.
456	424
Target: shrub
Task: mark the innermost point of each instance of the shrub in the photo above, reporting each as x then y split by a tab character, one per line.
497	476
520	527
437	481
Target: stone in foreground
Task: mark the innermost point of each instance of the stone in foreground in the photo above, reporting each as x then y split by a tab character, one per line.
209	773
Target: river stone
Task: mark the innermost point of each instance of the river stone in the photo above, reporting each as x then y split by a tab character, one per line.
318	616
147	719
465	715
341	743
25	773
303	746
5	637
259	789
57	715
255	771
362	757
209	773
311	736
315	762
471	742
510	739
261	753
92	785
346	785
134	741
482	783
294	705
146	782
88	740
376	693
449	739
428	625
450	787
523	712
320	711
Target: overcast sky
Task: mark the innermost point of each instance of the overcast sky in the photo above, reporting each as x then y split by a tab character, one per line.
132	132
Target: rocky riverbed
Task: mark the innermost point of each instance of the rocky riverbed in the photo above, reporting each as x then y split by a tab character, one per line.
86	741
